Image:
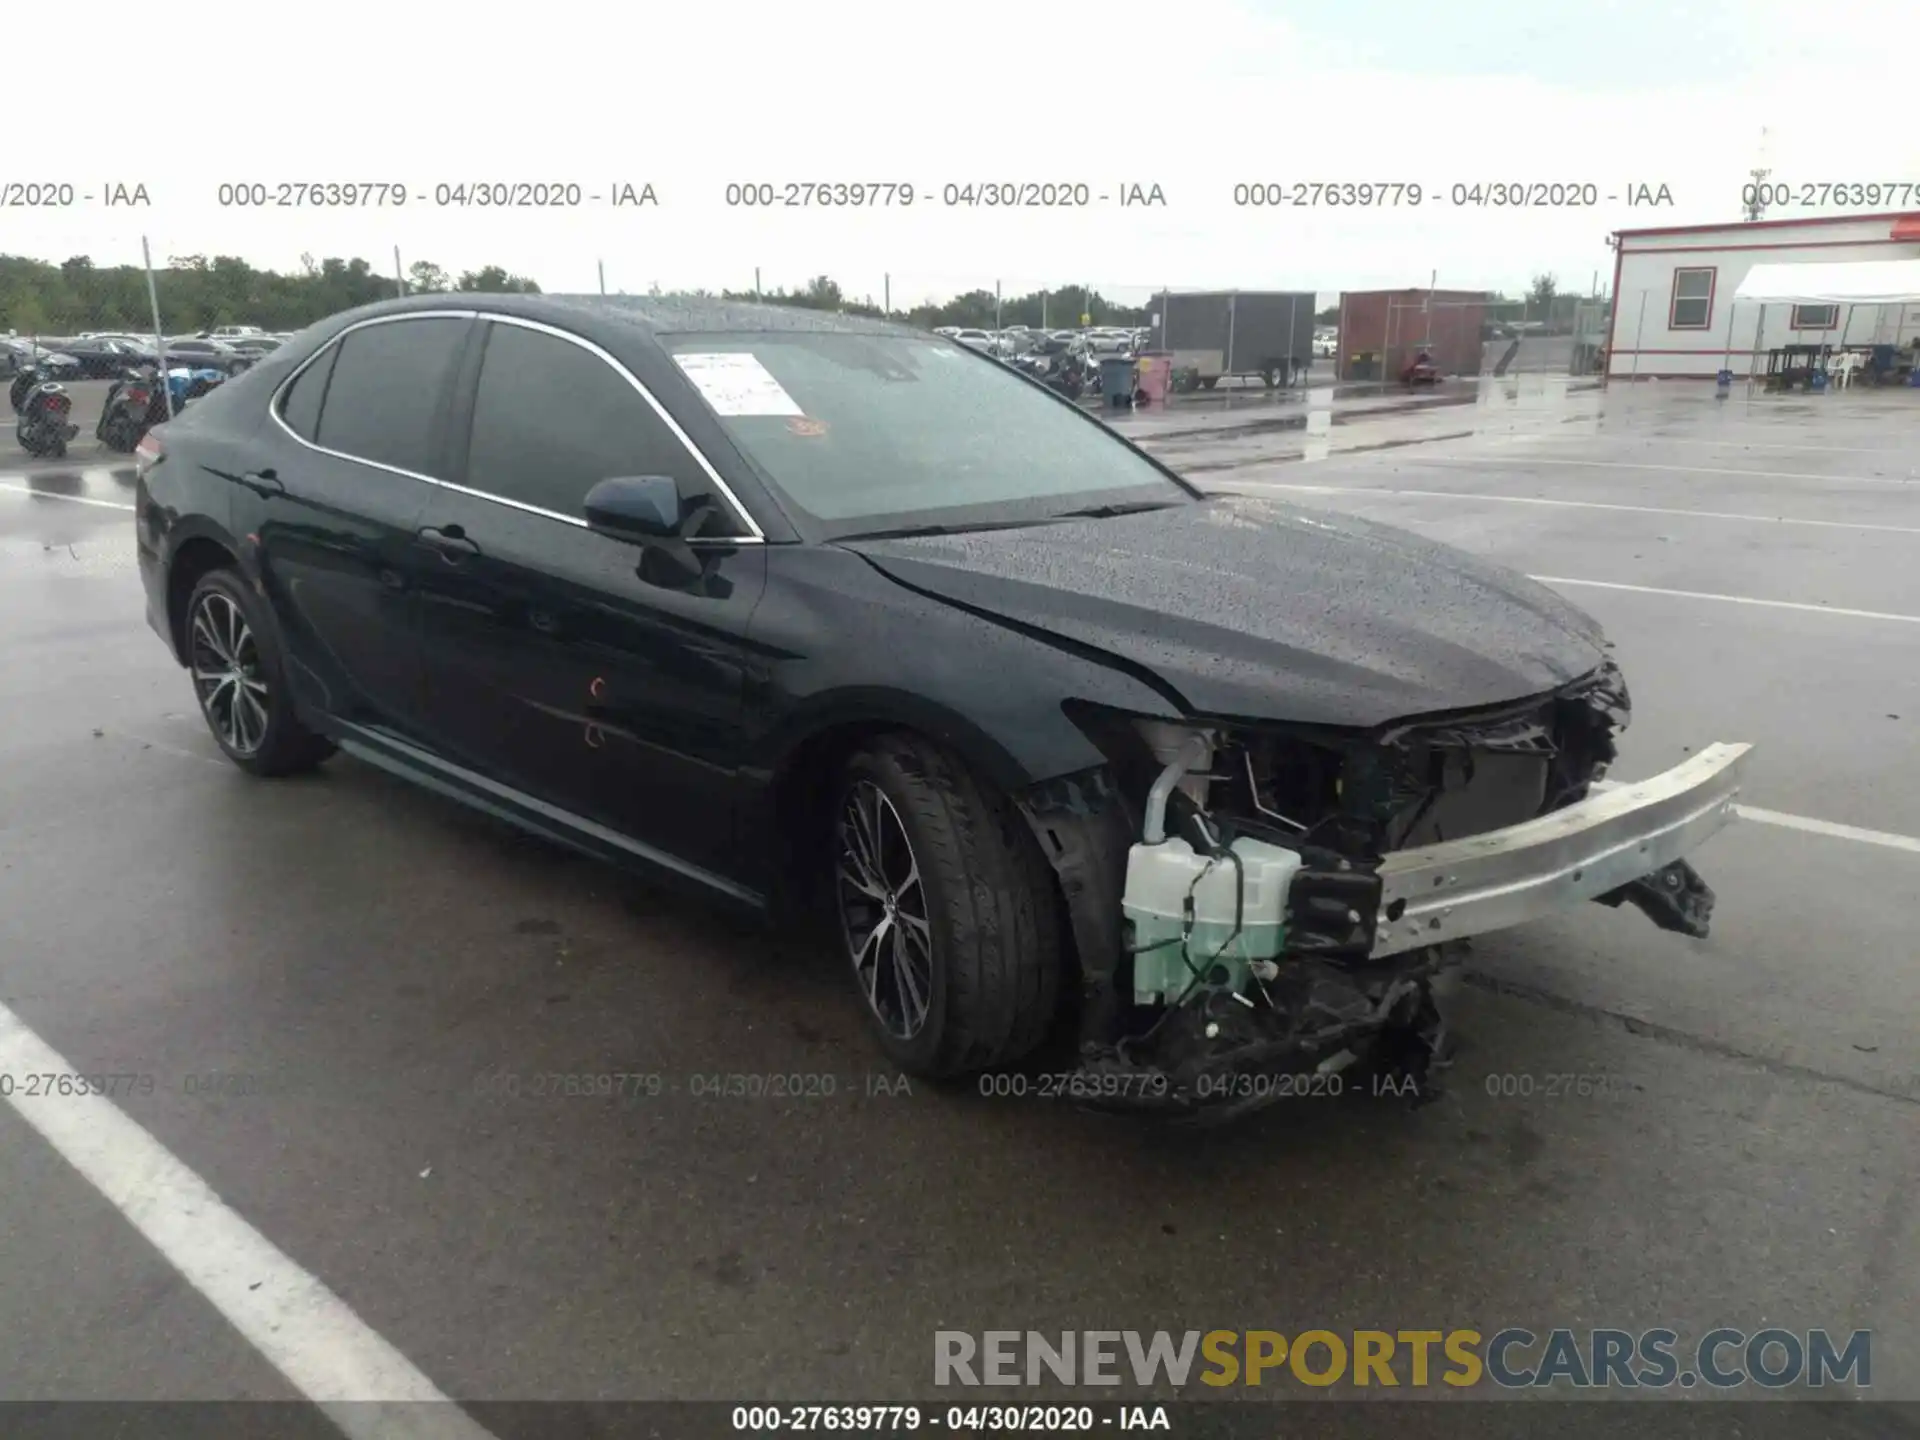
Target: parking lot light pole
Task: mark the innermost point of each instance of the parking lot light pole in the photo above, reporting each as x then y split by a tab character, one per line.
603	277
996	306
159	340
399	275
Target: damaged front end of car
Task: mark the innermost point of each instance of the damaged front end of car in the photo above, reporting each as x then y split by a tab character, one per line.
1256	901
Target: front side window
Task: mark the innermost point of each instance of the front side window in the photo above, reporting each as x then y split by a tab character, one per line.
552	419
1692	307
383	396
865	432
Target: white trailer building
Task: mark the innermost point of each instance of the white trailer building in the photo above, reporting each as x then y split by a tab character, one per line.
1674	315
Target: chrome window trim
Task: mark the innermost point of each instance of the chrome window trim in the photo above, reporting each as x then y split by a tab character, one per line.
755	535
280	391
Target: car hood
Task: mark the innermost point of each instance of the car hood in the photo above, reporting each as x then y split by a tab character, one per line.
1265	610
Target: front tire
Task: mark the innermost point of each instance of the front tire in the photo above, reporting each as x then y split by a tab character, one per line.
947	911
238	677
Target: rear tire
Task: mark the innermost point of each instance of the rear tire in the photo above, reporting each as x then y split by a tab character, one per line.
234	659
946	911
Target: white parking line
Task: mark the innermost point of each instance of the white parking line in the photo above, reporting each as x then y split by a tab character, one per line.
1564	438
366	1387
1730	599
1583	505
1685	469
32	494
1832	828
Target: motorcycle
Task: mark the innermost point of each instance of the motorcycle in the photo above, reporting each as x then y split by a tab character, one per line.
24	379
44	426
136	403
1062	371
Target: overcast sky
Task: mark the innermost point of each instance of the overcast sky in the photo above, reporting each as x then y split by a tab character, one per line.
1193	97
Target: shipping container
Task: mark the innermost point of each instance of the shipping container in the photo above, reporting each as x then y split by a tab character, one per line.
1268	333
1381	331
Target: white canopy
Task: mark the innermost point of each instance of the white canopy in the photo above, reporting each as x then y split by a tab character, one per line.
1840	282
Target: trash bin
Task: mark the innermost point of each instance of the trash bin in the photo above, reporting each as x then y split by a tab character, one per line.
1156	377
1116	379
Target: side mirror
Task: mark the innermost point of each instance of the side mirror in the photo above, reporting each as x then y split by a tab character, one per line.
636	507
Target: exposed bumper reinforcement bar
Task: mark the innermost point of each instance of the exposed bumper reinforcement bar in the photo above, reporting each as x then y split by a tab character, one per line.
1506	877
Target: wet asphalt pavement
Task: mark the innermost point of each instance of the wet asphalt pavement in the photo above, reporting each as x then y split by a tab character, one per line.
362	954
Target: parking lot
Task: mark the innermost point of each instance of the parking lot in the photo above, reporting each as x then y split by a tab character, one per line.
363	955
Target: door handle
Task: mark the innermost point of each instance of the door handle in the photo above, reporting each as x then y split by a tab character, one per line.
264	483
450	540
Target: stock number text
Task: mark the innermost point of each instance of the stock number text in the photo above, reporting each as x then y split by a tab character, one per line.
1356	194
818	194
310	194
1894	193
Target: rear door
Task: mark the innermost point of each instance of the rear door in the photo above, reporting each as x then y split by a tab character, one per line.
362	441
551	664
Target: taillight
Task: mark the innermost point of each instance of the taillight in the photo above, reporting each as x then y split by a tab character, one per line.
58	402
147	454
138	397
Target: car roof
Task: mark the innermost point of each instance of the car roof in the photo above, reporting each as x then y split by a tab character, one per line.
654	315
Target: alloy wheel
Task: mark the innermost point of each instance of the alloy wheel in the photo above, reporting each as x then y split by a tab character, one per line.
883	911
226	673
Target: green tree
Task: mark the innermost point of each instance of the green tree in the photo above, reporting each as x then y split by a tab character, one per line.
492	280
426	278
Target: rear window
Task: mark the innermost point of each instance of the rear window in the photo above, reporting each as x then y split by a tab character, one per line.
875	431
382	401
300	406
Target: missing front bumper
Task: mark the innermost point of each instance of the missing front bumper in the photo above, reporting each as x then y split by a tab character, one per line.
1592	850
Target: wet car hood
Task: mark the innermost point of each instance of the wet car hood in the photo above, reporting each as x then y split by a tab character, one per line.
1266	610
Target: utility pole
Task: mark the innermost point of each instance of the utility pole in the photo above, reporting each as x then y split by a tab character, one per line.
1755	207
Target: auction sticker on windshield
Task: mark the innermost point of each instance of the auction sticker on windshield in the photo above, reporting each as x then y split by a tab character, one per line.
735	383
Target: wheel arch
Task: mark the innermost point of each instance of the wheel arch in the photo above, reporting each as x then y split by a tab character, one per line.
192	558
1077	825
803	759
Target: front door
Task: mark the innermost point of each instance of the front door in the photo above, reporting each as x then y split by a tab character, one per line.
551	664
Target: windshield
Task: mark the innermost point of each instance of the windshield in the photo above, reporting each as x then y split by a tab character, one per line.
867	432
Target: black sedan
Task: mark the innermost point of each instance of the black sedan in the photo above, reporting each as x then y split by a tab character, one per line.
846	623
103	358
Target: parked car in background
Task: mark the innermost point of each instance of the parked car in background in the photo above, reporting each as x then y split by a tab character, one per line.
230	332
750	597
47	363
202	354
103	359
16	354
979	339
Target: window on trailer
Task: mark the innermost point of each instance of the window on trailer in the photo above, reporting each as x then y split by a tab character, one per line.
1815	317
1692	305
